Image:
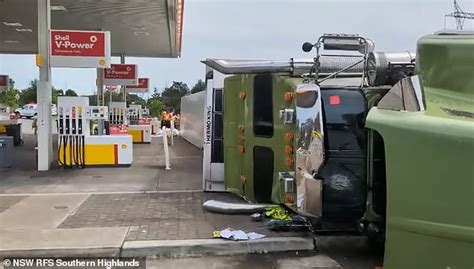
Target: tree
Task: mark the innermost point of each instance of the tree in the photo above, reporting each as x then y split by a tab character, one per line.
70	92
55	93
199	87
28	95
171	96
135	99
155	104
8	97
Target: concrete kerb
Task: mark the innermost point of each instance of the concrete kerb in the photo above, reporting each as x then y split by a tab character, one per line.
169	248
89	252
202	247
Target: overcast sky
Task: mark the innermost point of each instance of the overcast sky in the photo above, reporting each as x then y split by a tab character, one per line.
263	29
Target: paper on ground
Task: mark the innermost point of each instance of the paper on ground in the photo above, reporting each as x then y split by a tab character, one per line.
239	235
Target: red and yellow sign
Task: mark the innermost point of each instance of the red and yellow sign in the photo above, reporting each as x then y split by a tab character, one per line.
77	43
121	74
142	86
71	48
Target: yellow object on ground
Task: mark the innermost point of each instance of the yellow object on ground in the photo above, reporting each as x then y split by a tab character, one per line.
278	213
216	234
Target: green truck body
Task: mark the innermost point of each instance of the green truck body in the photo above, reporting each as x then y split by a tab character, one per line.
429	158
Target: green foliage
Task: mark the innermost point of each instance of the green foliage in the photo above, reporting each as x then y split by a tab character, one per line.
28	95
135	99
55	93
171	96
70	92
199	87
155	104
8	97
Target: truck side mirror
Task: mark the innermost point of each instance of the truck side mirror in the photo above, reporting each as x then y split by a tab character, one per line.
307	46
310	133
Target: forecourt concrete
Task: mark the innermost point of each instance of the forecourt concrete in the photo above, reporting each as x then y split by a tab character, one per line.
40	212
83	242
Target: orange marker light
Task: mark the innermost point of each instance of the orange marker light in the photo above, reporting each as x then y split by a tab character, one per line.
290	162
241	149
288	149
288	97
289	198
242	95
241	139
241	128
243	179
289	137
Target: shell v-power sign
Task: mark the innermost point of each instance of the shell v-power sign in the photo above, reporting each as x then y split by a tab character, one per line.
80	48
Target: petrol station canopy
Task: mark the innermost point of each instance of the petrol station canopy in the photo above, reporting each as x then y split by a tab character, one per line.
141	28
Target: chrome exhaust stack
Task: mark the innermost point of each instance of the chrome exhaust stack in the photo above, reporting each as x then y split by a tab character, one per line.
228	66
373	68
292	67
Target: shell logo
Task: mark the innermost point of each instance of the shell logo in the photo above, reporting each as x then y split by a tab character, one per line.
102	62
124	146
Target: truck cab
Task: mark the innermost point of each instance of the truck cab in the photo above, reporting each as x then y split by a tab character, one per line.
364	143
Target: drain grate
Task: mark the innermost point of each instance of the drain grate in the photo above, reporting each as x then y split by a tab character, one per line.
61	207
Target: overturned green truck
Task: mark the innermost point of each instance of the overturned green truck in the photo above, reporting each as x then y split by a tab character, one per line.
361	142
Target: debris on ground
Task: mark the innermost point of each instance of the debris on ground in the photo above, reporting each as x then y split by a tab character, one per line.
274	217
235	208
237	235
278	213
257	217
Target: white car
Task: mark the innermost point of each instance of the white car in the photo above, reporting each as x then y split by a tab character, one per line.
27	111
31	110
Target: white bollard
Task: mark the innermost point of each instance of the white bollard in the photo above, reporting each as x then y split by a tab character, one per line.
172	132
166	149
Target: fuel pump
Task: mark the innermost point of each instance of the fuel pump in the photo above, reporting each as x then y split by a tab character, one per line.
72	129
134	114
95	114
139	128
145	112
118	123
78	148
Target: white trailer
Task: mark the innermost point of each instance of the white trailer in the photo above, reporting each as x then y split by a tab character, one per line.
192	118
213	161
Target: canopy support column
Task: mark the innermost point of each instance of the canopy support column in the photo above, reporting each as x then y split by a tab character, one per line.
122	61
100	99
43	90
